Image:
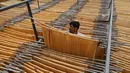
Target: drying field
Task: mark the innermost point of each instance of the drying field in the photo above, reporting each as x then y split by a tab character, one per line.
20	53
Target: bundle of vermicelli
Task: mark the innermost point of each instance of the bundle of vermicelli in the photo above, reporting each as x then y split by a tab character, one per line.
69	43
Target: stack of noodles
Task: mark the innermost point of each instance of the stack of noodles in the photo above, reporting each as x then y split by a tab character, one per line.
65	42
